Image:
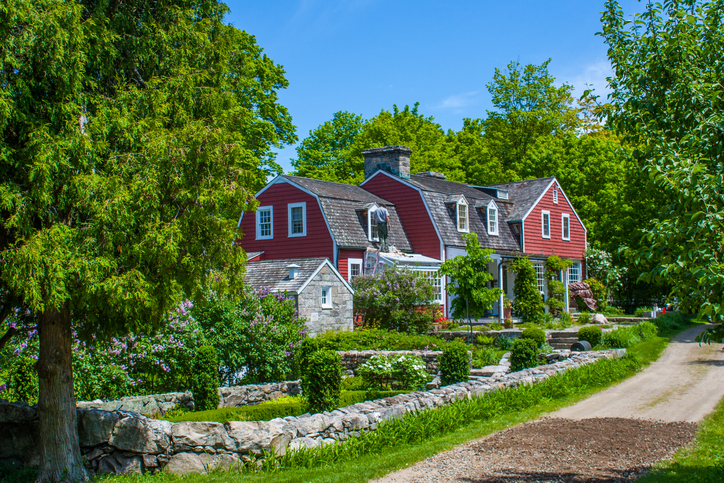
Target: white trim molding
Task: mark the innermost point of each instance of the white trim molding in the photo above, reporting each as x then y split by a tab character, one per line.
354	261
545	216
565	227
326	297
259	232
492	207
462	202
290	209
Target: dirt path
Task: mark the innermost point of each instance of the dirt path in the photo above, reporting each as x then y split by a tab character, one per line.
614	435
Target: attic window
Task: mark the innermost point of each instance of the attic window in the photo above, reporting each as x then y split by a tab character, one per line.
462	215
503	195
492	218
555	196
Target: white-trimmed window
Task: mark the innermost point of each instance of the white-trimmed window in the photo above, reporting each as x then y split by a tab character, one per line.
545	221
566	226
555	196
574	273
372	225
265	223
326	297
462	215
435	280
354	268
492	218
540	276
297	219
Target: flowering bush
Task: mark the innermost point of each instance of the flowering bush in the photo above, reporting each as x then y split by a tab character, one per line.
392	298
382	372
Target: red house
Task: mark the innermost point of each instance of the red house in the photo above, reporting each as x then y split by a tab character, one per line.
300	217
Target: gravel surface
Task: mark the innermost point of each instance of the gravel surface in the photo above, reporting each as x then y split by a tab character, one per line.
555	450
614	435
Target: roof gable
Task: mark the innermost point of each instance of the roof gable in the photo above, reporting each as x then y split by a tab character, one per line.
274	274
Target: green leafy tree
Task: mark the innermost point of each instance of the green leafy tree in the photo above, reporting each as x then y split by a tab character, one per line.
325	154
131	137
468	279
667	101
528	301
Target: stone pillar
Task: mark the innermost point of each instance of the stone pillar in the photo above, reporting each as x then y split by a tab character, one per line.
393	159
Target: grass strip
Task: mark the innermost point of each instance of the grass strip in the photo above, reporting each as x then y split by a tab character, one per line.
702	461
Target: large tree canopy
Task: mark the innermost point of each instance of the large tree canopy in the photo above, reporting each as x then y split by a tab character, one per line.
131	136
668	100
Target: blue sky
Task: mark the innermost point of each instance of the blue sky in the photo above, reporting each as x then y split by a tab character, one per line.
363	56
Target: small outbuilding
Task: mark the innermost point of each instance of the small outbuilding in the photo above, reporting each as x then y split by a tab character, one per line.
322	294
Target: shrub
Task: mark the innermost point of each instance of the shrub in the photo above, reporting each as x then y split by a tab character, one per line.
376	339
646	330
503	342
392	299
643	311
622	337
484	340
495	326
584	318
486	356
538	335
523	355
592	334
205	380
22	380
528	301
599	291
454	363
321	380
382	372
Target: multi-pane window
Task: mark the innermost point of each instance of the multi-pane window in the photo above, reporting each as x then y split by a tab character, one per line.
297	219
326	297
462	217
492	219
574	273
546	224
435	280
372	225
264	223
540	276
354	268
566	226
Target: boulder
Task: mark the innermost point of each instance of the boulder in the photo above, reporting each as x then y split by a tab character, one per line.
115	464
599	319
19	441
18	412
187	435
95	426
185	463
141	435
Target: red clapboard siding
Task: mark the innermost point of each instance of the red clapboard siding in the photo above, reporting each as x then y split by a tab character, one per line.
317	243
342	258
535	244
411	209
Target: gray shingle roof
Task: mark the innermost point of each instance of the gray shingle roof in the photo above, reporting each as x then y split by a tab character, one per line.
343	206
274	274
524	194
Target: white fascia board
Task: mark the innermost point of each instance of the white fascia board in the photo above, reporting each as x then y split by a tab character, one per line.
334	270
424	202
538	200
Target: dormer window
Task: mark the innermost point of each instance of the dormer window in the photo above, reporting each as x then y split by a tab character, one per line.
492	218
462	216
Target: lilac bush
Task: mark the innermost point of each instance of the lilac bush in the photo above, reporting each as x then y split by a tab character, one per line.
395	299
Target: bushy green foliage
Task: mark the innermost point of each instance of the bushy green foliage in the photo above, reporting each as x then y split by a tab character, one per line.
454	363
400	372
258	331
205	379
321	380
22	380
484	340
621	337
592	334
584	318
524	354
556	289
599	291
394	299
376	339
538	335
469	280
503	342
643	311
528	301
486	356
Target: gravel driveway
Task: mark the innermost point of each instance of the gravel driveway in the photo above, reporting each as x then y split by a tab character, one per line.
614	435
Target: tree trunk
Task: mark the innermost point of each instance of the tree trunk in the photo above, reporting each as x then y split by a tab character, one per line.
60	458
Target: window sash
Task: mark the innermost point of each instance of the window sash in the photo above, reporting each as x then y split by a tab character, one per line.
462	217
566	222
540	276
492	221
264	223
574	273
546	224
433	276
326	297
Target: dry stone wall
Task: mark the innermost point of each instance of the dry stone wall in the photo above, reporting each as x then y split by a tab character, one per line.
158	404
126	442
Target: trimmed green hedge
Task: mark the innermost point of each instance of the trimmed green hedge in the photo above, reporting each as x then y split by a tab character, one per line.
377	339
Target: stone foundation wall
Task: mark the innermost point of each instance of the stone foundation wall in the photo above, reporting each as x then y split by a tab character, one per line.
122	442
158	404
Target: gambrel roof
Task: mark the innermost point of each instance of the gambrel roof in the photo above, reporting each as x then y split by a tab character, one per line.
524	194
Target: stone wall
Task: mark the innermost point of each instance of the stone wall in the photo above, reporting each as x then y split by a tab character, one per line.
158	404
122	442
337	318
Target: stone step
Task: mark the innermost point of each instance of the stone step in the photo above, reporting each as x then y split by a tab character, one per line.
562	333
562	340
562	345
486	371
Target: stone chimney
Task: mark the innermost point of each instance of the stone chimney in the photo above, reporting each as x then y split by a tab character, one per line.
393	159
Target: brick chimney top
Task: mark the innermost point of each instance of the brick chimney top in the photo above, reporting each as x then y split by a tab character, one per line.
393	159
